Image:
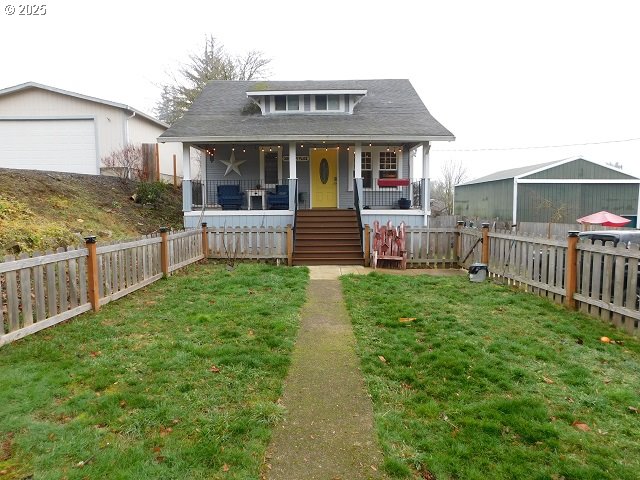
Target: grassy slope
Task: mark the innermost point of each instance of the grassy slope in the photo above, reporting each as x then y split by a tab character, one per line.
130	391
40	210
488	382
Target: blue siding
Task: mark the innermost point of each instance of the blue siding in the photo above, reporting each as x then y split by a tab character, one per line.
409	220
231	220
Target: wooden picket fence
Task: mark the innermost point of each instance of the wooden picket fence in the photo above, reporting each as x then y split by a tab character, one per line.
431	247
42	290
598	279
255	243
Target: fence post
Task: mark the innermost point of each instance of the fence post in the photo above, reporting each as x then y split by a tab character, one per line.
164	251
485	243
367	245
205	241
457	246
289	245
92	272
571	270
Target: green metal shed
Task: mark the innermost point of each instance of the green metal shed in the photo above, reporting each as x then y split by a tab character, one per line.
558	192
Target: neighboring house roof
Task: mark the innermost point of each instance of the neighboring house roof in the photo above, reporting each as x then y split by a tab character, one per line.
390	110
28	85
521	172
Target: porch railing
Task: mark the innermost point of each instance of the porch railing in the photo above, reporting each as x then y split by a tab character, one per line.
404	196
356	204
205	193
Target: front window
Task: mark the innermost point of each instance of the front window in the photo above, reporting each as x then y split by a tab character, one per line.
271	168
367	170
388	165
327	102
285	103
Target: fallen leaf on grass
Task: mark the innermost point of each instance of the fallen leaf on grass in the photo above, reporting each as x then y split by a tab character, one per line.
633	409
96	354
165	431
250	333
406	319
547	380
382	359
214	369
605	339
581	426
225	468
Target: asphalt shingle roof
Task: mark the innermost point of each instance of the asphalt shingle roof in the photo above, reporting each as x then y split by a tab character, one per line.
391	108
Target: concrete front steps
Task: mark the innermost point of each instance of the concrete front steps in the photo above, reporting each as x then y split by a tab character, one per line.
327	237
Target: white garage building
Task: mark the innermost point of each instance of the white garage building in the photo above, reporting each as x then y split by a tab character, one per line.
46	128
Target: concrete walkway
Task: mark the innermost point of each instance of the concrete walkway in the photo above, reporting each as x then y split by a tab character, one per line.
328	429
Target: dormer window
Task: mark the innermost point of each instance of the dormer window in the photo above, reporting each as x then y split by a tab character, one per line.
334	102
286	103
327	102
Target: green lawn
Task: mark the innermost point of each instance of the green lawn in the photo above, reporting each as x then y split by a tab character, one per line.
491	383
177	381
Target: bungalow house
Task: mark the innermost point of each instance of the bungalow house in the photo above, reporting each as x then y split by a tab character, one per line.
278	152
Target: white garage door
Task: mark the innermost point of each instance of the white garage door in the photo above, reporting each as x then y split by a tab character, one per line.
55	145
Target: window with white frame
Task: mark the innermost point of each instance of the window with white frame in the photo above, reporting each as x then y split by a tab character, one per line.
367	170
286	103
327	102
388	165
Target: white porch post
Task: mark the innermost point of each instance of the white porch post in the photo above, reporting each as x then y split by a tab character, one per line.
293	175
357	166
186	178
426	194
203	175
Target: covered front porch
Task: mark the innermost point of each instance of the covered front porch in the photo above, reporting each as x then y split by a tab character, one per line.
265	183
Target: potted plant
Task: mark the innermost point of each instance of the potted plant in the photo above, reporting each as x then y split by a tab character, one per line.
404	203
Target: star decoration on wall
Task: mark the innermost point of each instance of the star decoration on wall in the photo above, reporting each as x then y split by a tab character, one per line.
233	164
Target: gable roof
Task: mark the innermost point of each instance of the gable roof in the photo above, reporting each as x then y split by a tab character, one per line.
390	110
521	172
28	85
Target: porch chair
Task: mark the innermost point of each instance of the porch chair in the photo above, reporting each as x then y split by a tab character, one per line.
278	200
389	244
230	197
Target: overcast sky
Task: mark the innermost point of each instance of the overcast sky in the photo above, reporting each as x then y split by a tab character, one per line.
498	74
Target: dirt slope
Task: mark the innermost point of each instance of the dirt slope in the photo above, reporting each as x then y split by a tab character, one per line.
45	210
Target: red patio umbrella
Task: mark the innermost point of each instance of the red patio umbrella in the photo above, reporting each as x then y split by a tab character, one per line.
606	219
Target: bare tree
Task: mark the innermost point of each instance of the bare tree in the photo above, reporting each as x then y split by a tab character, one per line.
214	63
126	163
615	165
452	174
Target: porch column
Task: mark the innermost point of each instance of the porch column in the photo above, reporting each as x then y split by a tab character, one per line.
357	174
203	176
186	178
293	175
426	194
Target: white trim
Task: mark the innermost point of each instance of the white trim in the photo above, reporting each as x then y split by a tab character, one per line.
272	105
262	149
258	93
375	163
313	109
574	180
514	207
310	138
241	213
395	211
